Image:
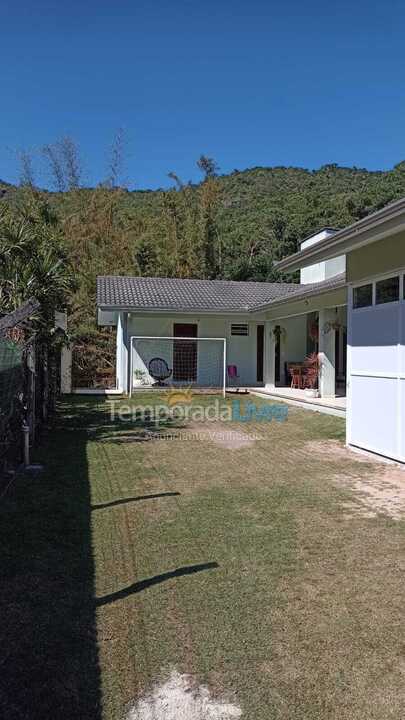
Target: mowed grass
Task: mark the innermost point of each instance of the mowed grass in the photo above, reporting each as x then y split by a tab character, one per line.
130	556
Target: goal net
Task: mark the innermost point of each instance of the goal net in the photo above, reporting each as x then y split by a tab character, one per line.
178	361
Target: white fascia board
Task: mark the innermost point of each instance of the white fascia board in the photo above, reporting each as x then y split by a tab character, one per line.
171	311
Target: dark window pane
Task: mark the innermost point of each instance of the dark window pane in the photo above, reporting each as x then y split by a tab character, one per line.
363	296
387	290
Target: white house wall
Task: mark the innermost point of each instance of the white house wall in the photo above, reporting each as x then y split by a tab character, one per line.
323	271
107	317
241	350
376	378
335	266
313	273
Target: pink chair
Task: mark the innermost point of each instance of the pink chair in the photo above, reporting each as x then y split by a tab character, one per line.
232	373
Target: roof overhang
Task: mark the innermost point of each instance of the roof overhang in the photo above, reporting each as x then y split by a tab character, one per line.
388	221
175	311
312	292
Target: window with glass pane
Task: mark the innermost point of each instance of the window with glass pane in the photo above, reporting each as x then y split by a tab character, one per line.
387	290
363	296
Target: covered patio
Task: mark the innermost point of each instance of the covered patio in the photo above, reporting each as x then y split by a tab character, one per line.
305	351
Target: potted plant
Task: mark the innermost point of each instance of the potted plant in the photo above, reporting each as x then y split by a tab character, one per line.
280	334
312	369
140	377
329	326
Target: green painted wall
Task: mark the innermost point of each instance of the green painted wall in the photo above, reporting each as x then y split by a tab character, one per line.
319	302
379	257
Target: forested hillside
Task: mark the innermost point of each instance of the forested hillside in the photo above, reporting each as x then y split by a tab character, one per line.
230	226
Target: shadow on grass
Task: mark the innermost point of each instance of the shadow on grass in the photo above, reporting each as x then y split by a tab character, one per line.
124	501
156	580
49	661
138	432
49	658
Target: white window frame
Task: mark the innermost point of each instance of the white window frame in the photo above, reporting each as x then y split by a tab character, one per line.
373	282
360	285
400	288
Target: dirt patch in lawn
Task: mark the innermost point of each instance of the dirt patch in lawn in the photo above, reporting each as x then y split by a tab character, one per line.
334	450
381	492
181	698
378	489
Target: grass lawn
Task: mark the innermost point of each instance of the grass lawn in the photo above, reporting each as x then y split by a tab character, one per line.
254	567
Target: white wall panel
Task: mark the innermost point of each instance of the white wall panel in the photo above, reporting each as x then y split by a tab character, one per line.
402	339
374	414
375	339
376	379
401	428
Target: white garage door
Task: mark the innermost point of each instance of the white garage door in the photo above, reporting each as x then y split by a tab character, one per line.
376	366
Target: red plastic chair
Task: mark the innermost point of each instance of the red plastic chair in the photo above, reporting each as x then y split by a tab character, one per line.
296	376
232	372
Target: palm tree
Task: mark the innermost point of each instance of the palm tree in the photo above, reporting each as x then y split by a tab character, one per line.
33	261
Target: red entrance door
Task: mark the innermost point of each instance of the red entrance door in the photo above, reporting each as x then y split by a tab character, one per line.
185	353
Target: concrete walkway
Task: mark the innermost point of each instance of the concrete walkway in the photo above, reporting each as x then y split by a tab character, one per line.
331	405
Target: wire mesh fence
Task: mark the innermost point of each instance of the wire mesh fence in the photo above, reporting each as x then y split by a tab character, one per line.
29	384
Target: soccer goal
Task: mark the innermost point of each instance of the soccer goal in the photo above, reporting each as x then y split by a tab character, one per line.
197	362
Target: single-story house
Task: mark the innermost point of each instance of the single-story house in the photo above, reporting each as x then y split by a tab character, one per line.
349	307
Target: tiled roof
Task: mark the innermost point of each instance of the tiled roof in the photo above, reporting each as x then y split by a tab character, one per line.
143	293
172	293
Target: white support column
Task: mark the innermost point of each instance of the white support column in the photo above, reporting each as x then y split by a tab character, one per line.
269	375
119	370
125	354
327	380
66	370
284	379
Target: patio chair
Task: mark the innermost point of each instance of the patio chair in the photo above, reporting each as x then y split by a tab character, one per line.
232	373
159	370
296	376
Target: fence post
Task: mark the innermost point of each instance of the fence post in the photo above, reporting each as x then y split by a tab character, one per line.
61	321
45	386
31	389
26	443
66	370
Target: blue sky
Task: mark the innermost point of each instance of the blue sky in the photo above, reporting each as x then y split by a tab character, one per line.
249	83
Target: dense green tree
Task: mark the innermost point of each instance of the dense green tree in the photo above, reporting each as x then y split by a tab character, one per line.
33	260
228	226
